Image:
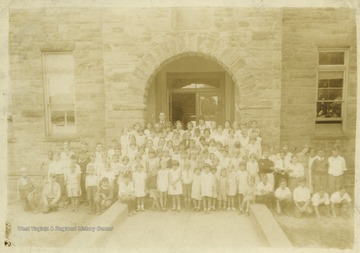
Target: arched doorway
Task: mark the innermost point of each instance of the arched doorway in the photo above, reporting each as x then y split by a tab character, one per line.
189	88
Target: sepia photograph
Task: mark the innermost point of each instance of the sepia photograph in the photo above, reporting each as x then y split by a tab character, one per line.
175	125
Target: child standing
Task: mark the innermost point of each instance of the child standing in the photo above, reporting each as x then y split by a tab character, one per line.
249	197
154	194
186	178
73	186
139	177
296	173
125	168
252	168
163	184
242	177
207	185
152	162
91	183
222	187
175	186
232	187
214	195
196	189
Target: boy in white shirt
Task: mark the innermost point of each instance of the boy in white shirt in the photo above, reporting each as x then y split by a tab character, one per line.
283	197
337	167
296	172
340	202
321	202
91	184
301	197
126	194
264	192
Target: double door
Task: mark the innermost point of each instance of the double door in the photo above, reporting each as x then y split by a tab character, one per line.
190	106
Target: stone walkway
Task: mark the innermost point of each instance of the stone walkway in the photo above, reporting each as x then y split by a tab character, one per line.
184	229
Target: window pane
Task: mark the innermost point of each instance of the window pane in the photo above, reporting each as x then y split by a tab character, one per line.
328	109
62	122
209	107
58	118
70	118
330	85
331	58
323	83
183	107
335	94
61	88
59	82
195	83
336	83
323	94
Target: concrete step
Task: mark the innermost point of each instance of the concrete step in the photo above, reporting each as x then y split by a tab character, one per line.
268	228
112	217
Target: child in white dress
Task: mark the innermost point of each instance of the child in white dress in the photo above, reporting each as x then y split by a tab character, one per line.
196	189
139	179
222	188
231	187
214	195
241	178
252	167
163	184
252	148
230	141
175	186
207	185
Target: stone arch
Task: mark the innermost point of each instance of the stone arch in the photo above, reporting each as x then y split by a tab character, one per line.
231	56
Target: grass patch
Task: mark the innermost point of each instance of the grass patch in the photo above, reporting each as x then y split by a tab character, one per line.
327	233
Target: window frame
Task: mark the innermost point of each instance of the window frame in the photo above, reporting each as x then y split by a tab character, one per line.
333	68
47	104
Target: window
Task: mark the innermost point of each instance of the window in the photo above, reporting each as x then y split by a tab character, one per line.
331	84
58	69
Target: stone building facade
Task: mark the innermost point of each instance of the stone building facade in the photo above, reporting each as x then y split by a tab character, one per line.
267	60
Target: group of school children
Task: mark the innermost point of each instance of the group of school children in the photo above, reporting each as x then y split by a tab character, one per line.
204	167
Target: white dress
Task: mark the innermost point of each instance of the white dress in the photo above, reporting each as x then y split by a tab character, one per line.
163	180
139	179
207	183
242	176
196	187
252	168
232	184
175	175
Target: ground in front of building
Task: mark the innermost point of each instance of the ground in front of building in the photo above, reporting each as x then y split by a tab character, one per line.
61	218
328	232
180	229
185	229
